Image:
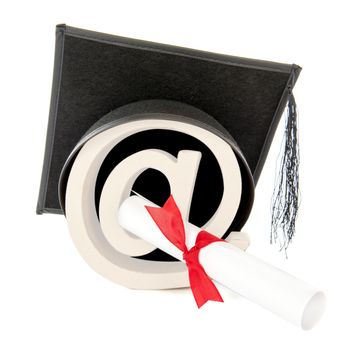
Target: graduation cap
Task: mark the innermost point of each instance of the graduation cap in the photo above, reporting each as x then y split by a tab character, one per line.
173	99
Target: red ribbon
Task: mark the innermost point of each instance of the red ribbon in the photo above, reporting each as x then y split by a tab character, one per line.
169	220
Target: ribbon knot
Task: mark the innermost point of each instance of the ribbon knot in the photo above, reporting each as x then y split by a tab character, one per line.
169	220
190	254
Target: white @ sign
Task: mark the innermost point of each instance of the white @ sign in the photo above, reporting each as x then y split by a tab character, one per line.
104	244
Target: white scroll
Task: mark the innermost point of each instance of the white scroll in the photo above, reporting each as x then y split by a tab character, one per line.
268	286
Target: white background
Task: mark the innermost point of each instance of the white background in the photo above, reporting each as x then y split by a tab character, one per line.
51	299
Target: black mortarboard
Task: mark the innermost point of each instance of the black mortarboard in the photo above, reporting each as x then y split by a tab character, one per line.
242	98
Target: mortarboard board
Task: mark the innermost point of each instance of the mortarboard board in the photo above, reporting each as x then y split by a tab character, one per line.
102	81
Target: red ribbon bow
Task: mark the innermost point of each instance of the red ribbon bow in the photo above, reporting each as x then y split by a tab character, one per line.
169	220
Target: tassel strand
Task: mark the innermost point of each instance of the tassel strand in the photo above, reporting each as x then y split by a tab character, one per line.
285	199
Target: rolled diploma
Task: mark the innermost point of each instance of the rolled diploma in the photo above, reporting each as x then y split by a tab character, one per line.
268	286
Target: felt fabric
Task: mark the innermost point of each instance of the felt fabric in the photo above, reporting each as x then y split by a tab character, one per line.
95	73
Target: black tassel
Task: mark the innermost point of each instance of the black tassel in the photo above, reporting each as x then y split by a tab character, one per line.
285	199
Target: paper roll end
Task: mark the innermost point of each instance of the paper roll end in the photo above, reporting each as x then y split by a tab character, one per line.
313	311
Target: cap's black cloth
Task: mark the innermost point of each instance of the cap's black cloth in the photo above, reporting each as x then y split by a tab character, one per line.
95	73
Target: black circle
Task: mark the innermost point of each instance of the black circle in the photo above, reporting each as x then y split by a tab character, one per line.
171	111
